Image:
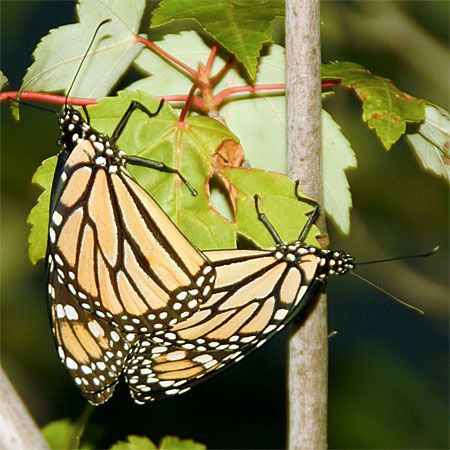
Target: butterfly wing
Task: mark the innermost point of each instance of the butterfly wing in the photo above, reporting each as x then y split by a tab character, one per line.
117	252
92	351
255	296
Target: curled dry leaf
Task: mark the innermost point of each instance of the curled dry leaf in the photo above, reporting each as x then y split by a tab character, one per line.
229	154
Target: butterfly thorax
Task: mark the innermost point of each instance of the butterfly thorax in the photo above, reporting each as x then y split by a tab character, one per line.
74	130
330	262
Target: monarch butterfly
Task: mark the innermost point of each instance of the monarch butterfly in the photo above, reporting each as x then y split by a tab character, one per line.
256	294
111	247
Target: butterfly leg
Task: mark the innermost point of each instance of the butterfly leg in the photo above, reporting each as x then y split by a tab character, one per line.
263	218
137	161
312	217
126	117
86	113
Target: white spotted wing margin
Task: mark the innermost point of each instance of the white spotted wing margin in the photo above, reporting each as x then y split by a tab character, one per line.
112	246
257	293
92	351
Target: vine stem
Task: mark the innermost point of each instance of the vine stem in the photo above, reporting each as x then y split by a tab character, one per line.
219	98
223	71
211	58
44	97
17	428
189	101
157	49
308	345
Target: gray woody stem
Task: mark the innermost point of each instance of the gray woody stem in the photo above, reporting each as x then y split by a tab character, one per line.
17	429
308	347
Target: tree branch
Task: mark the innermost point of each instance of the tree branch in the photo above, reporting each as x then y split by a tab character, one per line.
17	429
308	346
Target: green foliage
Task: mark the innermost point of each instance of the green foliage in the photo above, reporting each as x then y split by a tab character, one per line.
175	443
240	26
167	443
61	435
3	80
278	201
338	157
38	217
134	443
386	109
187	147
259	120
431	141
59	54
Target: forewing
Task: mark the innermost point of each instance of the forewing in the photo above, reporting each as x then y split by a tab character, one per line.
116	250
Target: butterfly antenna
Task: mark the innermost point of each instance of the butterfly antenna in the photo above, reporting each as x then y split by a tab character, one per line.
389	294
85	56
396	258
32	106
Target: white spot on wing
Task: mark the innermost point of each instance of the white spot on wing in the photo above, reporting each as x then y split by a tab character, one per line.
71	312
70	363
60	314
57	218
95	329
281	314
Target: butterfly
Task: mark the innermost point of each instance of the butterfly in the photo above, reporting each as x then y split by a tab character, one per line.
113	254
255	295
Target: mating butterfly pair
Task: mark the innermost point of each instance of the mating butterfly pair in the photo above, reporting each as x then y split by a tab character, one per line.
130	295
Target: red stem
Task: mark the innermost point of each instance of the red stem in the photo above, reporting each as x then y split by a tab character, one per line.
150	44
55	99
211	58
193	100
222	72
189	101
330	83
219	98
46	98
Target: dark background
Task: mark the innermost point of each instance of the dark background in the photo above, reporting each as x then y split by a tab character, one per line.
388	367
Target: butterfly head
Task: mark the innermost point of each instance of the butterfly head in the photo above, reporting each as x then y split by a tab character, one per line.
72	127
330	262
74	130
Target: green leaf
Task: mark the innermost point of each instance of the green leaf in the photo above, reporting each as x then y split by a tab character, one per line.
258	119
175	443
287	214
187	147
134	443
3	80
59	54
240	26
39	215
338	156
386	109
430	142
60	435
167	443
